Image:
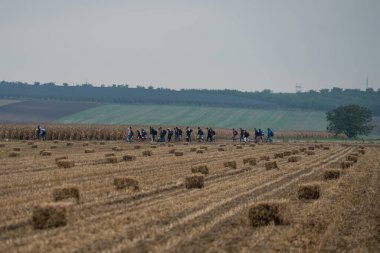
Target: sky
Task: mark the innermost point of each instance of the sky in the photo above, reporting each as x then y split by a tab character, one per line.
245	45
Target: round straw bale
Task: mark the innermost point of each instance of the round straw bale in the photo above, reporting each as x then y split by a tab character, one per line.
200	151
126	182
177	153
137	147
194	181
311	148
266	213
230	164
88	150
264	158
69	144
65	193
302	149
193	149
109	154
147	153
287	153
331	174
326	148
14	154
46	153
171	151
250	161
352	158
117	149
129	158
203	169
34	146
271	165
112	159
222	145
310	153
65	163
278	155
239	147
309	191
49	215
16	149
295	151
294	159
61	157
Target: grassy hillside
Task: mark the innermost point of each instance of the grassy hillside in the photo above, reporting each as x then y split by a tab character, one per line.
203	116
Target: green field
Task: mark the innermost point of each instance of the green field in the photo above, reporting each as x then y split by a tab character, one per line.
202	116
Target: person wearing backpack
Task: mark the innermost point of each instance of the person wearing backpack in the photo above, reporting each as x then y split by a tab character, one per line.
130	134
200	134
246	136
270	135
170	134
188	134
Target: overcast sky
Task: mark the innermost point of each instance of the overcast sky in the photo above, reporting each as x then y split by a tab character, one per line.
245	45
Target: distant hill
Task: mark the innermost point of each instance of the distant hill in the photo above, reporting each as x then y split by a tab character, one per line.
322	100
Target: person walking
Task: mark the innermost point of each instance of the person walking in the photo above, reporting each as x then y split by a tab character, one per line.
234	134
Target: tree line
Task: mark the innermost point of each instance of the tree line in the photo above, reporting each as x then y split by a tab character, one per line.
324	99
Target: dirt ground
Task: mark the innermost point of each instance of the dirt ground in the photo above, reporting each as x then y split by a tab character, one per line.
165	216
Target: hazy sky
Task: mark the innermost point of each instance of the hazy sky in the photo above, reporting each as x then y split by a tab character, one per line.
246	45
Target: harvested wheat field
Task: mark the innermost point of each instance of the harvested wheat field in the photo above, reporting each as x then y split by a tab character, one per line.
77	201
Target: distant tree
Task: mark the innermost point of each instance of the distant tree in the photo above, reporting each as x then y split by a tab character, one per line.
65	84
352	120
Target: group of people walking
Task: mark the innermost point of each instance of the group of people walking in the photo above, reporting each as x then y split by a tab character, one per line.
259	135
176	135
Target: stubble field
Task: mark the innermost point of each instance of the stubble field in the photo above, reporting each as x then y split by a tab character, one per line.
160	212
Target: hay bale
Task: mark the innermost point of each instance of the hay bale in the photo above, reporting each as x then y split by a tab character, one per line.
331	174
203	147
250	161
230	164
65	193
177	153
2	145
109	154
69	144
361	151
266	213
295	151
49	215
294	159
30	143
126	183
147	153
346	164
264	158
137	147
309	191
326	148
61	158
53	147
87	150
310	153
170	145
112	159
102	143
65	163
302	149
352	158
311	148
200	151
86	144
222	145
153	146
14	154
45	153
193	149
34	146
239	147
252	145
287	153
194	181
171	151
117	149
278	155
203	169
56	142
16	149
221	149
271	165
129	158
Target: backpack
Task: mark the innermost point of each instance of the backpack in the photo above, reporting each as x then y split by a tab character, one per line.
235	132
213	132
